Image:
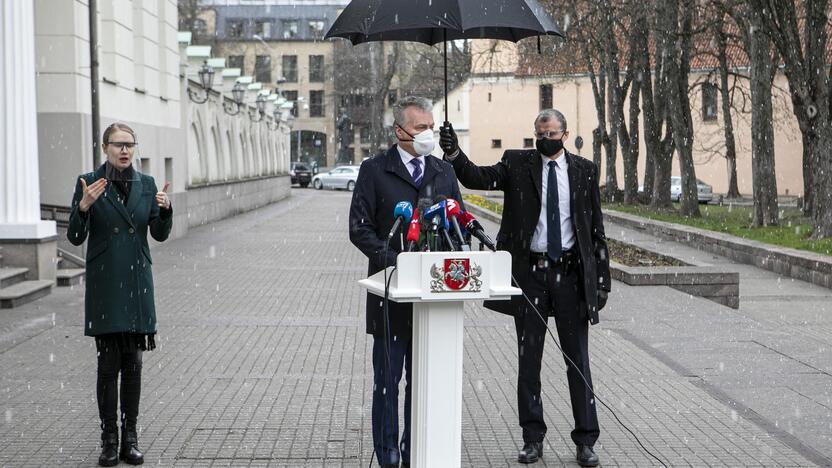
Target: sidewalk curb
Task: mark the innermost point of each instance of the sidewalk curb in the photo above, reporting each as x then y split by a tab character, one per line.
806	266
715	284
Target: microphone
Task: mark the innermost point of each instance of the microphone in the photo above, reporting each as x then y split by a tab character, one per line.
436	213
414	230
402	211
452	212
475	228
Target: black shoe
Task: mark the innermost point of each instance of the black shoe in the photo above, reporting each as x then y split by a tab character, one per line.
586	456
130	452
109	448
390	465
532	451
405	464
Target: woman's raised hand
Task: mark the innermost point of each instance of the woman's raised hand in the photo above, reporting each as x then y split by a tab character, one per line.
91	193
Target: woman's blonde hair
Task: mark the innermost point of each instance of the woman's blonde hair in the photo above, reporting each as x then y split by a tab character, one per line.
117	126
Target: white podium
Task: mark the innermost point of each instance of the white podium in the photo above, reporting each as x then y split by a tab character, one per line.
438	283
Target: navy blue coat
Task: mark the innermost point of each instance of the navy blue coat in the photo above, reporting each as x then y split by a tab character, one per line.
382	182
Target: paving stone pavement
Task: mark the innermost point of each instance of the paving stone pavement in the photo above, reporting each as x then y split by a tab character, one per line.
263	361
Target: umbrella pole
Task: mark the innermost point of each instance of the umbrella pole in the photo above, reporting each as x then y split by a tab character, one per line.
445	45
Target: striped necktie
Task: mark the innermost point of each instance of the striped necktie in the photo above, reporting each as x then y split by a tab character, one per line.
417	171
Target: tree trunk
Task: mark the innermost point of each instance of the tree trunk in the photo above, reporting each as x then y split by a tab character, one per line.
611	145
596	146
678	69
762	145
727	122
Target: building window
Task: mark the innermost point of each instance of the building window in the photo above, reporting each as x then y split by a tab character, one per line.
316	103
392	96
290	68
263	68
200	27
316	68
528	143
235	28
497	143
290	29
292	96
364	134
316	29
263	28
709	102
489	97
237	61
545	96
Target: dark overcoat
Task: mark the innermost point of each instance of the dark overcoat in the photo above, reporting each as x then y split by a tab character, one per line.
119	280
519	174
382	182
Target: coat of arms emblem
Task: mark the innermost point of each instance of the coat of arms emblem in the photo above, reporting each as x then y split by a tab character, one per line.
456	274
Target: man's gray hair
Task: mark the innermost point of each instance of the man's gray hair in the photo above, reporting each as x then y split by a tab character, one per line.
410	101
548	114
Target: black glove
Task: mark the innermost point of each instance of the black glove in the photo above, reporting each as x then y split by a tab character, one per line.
602	299
447	139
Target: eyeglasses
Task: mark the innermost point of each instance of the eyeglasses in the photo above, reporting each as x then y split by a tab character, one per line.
550	135
123	144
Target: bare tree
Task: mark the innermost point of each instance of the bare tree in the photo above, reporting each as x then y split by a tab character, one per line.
804	55
721	36
677	32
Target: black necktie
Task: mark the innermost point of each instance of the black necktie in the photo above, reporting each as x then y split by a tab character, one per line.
553	241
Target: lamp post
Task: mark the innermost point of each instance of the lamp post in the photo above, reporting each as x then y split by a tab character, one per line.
260	105
238	93
206	79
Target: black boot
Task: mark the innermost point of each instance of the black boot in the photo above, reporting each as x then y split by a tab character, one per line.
130	452
109	446
131	375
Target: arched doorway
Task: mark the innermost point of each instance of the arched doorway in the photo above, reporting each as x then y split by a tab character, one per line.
312	146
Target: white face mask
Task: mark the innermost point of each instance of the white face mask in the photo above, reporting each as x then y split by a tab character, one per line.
424	142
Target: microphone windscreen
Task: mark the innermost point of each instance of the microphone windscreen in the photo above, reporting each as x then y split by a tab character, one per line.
403	209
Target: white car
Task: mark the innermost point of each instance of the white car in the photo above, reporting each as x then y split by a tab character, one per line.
705	192
342	177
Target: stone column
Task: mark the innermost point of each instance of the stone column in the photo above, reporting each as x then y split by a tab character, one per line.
26	240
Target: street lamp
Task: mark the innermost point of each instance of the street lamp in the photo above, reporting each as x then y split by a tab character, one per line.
206	79
238	93
260	104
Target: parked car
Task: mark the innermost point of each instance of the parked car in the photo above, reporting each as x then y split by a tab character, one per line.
705	192
342	177
300	174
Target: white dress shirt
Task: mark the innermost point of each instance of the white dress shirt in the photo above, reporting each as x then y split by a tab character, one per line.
567	235
407	157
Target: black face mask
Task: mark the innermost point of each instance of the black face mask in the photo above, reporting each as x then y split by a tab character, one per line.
549	147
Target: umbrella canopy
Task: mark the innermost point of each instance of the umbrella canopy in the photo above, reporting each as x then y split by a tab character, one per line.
434	21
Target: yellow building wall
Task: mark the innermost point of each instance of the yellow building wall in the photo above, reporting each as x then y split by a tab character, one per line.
514	103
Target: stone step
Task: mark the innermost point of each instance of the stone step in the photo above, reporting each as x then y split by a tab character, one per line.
26	291
70	276
10	276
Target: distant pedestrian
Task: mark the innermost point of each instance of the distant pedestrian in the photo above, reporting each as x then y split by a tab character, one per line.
114	207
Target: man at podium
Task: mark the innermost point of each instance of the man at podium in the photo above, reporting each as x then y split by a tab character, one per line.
552	225
407	172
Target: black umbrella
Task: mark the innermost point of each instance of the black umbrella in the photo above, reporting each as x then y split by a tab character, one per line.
434	21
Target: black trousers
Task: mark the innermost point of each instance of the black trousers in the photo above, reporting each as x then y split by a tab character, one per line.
112	360
556	291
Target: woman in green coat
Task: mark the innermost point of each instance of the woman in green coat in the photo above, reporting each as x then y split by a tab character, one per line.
115	207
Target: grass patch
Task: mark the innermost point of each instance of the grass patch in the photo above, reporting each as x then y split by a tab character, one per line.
793	231
483	202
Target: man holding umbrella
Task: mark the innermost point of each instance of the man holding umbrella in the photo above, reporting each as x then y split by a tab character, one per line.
553	227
